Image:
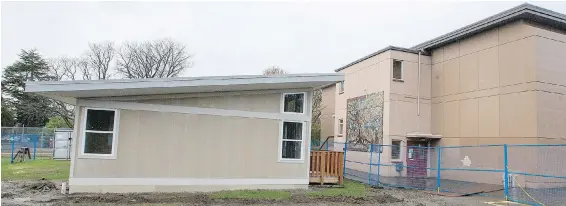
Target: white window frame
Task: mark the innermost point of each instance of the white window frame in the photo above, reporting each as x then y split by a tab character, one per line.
114	132
341	126
400	150
341	87
393	69
304	134
304	103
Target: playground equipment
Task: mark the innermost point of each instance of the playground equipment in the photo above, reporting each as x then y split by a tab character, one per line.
24	140
21	155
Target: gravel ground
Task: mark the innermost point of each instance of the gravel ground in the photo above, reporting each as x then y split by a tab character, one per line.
48	193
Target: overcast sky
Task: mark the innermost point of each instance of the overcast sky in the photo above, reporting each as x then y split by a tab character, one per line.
229	38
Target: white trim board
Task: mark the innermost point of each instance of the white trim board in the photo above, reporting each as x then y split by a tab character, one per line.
192	110
184	181
195	95
229	81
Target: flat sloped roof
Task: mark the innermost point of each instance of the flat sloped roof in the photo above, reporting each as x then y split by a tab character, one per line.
524	11
66	90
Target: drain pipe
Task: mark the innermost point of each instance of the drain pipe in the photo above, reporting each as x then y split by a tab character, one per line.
419	88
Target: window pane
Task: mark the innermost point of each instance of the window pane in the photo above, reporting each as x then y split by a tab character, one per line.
395	149
100	120
397	69
294	103
98	143
291	149
292	130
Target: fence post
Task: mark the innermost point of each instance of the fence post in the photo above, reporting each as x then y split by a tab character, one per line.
438	151
370	161
34	146
379	150
13	147
505	173
345	150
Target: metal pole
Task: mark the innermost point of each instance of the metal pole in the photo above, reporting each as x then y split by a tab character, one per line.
13	147
439	150
34	146
506	173
370	161
345	150
379	150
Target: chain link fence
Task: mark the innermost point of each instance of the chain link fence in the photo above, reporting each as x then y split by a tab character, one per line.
39	141
530	174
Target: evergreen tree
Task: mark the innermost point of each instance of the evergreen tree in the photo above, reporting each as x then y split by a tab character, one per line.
8	116
31	110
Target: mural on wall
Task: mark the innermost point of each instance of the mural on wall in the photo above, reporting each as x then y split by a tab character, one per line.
364	121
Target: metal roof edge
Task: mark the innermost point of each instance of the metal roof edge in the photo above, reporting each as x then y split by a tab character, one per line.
388	48
504	17
177	82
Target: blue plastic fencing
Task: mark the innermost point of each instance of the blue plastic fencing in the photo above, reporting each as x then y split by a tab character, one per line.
529	174
39	141
23	141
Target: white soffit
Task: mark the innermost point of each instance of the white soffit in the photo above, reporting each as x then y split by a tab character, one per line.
127	87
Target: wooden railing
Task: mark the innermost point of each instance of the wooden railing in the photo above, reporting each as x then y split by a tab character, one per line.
327	167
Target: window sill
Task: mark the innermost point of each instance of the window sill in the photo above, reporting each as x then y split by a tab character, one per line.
396	161
398	80
340	93
107	157
292	161
340	135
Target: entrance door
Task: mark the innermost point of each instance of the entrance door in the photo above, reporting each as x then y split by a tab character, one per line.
417	159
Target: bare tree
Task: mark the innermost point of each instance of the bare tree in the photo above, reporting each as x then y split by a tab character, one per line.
63	68
274	70
97	61
153	59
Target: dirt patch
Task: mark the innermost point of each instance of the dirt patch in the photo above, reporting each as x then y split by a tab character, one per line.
41	186
48	193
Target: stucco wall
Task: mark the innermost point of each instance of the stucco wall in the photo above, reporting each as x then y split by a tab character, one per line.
483	87
245	102
327	112
369	76
173	145
159	144
504	86
550	48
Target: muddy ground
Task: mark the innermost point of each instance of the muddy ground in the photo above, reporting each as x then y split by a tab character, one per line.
49	193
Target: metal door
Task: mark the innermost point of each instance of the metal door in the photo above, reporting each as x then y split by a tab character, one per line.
62	144
417	159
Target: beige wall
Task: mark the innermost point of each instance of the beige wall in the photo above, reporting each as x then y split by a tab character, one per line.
177	145
504	86
400	101
400	98
550	50
327	112
174	145
504	83
369	76
246	102
483	87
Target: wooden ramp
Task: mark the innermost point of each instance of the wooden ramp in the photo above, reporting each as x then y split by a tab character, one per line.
326	167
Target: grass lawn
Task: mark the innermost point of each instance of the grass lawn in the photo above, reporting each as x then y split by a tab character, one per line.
35	169
351	189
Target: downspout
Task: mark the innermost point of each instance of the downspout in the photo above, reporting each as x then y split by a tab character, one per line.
419	87
419	94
